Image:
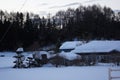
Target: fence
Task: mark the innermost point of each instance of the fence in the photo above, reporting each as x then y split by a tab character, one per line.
110	74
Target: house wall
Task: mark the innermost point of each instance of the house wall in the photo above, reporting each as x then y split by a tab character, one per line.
93	58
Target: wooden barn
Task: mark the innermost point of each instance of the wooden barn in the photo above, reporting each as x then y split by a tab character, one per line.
99	51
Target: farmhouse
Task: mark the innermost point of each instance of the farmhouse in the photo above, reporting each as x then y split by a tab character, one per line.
99	51
70	45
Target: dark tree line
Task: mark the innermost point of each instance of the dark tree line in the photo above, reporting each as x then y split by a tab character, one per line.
84	23
18	29
92	22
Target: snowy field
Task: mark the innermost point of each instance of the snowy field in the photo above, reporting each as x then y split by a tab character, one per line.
52	73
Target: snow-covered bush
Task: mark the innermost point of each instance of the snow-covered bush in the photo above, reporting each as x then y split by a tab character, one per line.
66	59
41	57
19	58
57	60
72	58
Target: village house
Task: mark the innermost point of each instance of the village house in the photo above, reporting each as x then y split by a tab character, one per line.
99	51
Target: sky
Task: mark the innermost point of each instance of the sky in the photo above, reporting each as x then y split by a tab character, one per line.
44	7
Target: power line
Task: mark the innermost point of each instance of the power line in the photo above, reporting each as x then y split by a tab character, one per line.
5	33
11	24
23	5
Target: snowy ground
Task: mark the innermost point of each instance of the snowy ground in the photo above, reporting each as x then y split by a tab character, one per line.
53	73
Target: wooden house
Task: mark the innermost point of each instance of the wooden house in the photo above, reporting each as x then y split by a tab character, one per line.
99	51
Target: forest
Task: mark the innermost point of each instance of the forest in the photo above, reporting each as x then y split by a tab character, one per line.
83	23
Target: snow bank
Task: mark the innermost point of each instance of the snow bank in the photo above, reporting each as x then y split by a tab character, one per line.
8	54
6	62
69	55
105	64
52	73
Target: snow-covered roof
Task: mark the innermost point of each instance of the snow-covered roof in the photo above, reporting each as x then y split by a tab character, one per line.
20	49
98	46
39	53
69	55
70	44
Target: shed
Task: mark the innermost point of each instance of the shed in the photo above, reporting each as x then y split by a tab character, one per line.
70	45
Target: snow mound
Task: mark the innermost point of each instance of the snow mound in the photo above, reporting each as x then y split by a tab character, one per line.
69	55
